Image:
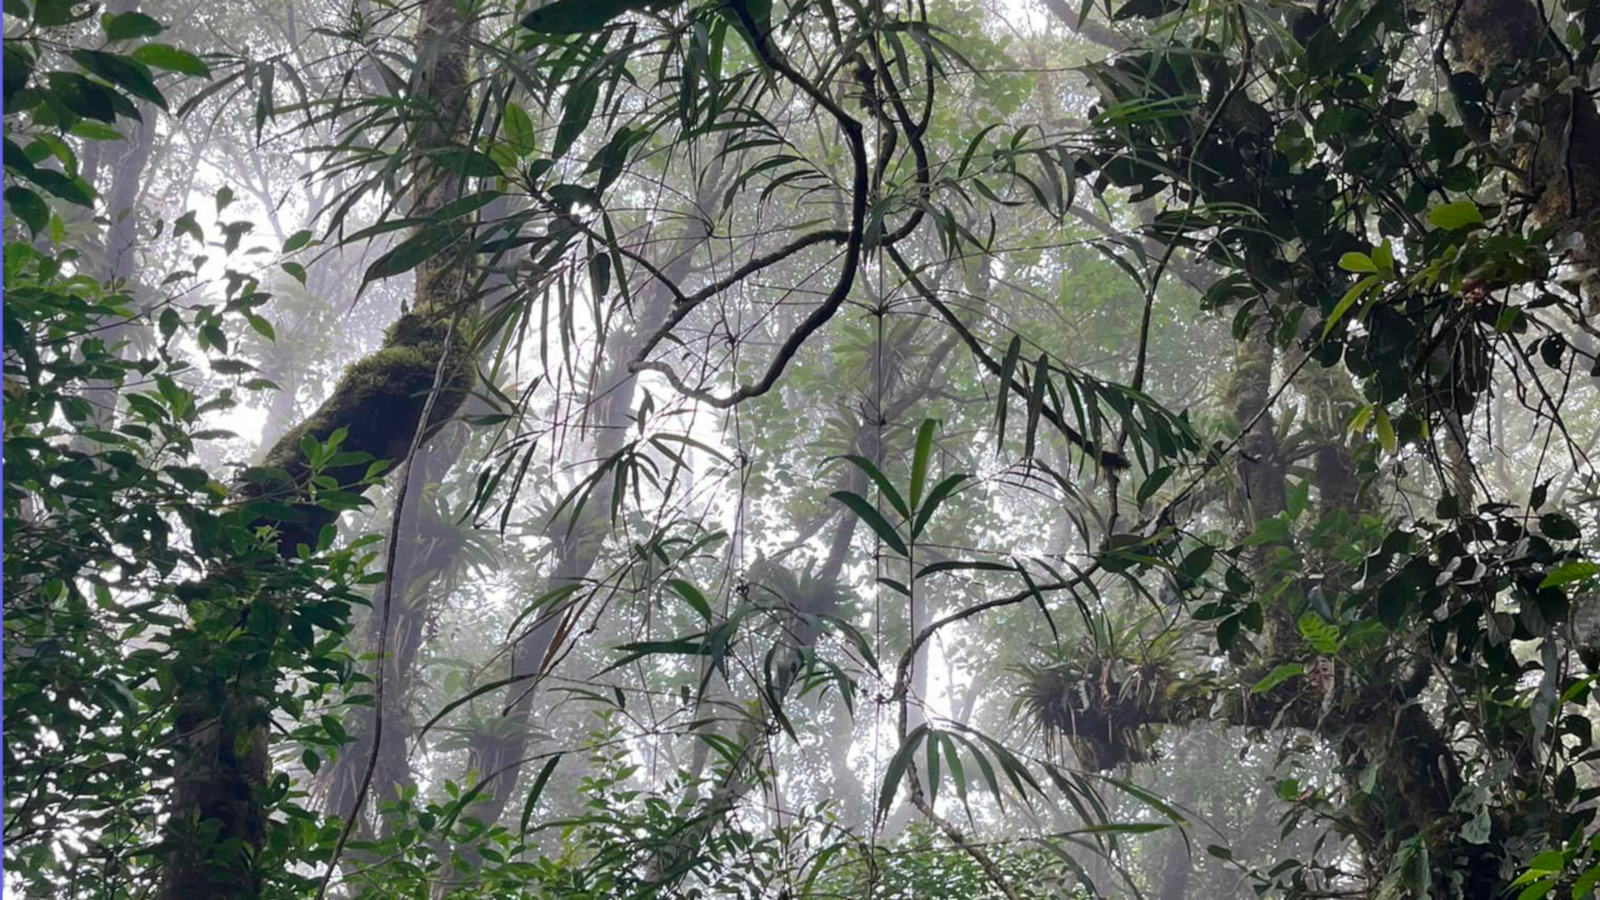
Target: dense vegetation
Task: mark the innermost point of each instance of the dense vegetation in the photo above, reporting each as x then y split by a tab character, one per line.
829	448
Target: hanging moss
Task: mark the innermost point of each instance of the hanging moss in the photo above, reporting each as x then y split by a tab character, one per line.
379	400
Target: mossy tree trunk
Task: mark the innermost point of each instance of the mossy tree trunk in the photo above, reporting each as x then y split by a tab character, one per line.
216	805
1561	171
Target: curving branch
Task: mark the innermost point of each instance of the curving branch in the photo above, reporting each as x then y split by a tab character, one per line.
860	187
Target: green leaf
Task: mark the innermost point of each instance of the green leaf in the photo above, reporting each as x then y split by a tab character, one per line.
1278	676
83	96
1008	368
29	207
52	13
1323	636
414	251
296	271
231	366
1357	262
577	108
1148	798
73	190
124	72
18	71
1383	257
1548	861
129	25
467	162
958	773
94	131
164	56
1195	564
1041	387
1149	486
1559	527
297	240
1586	882
1297	495
896	586
1385	428
692	596
1538	889
548	598
1144	9
920	460
1348	300
537	789
885	488
519	129
1121	828
936	497
1455	215
875	520
464	205
1568	572
335	729
186	224
959	565
897	769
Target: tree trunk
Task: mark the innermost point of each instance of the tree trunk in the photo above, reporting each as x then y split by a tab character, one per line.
222	761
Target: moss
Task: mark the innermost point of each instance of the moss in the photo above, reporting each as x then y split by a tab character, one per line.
1491	34
379	400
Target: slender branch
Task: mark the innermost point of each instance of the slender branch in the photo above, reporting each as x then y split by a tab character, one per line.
852	257
388	606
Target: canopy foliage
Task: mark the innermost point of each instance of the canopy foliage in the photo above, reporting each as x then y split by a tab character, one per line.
605	448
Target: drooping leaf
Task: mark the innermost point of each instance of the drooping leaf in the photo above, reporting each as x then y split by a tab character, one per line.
692	596
122	71
537	790
297	240
413	252
940	493
885	488
577	108
519	129
874	519
920	460
896	771
29	207
1008	368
